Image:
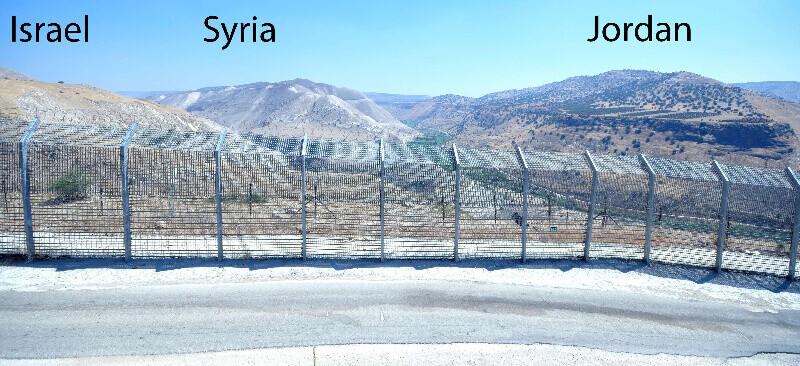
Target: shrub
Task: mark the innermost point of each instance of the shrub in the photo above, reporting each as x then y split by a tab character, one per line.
70	186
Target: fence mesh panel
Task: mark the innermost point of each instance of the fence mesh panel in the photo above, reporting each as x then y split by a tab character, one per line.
558	204
12	228
420	206
759	227
172	193
618	230
490	224
343	199
686	213
75	177
261	198
75	190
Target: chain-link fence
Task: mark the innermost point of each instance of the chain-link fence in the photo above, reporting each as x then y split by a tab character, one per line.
82	191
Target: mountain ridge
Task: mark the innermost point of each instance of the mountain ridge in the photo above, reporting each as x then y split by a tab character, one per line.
677	114
395	98
786	90
292	107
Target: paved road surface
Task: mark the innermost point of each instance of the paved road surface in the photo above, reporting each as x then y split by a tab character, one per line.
196	318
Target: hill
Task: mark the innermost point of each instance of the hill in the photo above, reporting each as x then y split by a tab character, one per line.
292	107
8	74
395	98
84	104
679	114
787	90
142	94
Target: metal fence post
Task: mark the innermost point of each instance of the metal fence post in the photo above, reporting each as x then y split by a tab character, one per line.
525	188
218	188
383	200
26	187
126	207
723	213
457	202
592	200
651	193
303	152
796	226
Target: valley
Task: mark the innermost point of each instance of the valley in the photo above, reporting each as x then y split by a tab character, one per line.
679	115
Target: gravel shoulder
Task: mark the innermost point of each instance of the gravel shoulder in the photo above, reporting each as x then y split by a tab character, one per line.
416	354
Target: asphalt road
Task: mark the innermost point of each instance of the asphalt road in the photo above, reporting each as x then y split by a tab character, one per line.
197	318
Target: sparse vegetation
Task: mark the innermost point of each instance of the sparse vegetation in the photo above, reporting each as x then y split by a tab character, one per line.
70	186
431	139
672	111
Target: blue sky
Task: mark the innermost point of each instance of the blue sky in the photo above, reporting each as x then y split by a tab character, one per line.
411	47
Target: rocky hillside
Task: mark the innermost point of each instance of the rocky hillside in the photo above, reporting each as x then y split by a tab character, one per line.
681	115
292	107
787	90
83	104
13	75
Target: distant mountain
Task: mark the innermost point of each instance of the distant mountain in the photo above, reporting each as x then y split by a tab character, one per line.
292	107
787	90
679	114
13	75
395	98
83	104
142	94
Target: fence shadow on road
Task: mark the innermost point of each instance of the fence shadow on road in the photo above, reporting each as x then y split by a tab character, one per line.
671	271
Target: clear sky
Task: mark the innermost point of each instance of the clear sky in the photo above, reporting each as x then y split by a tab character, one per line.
410	47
